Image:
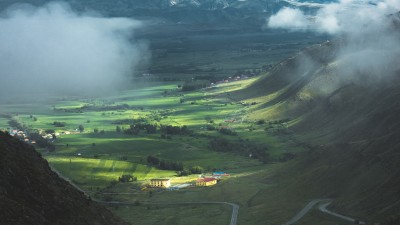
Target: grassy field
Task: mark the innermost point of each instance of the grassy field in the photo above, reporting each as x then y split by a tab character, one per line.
95	160
175	214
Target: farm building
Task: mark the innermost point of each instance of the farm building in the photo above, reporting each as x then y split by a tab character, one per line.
206	181
219	175
164	183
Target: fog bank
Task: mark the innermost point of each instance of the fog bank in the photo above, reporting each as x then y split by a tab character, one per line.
369	39
53	49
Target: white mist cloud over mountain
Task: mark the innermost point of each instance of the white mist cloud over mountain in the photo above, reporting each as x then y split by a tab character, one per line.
369	42
336	18
289	18
55	49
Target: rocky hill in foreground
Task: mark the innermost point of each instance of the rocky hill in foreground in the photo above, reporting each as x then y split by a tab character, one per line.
30	193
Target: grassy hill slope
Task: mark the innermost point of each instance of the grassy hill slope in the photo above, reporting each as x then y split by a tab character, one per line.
351	125
31	193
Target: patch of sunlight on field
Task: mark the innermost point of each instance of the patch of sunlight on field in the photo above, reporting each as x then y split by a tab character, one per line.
100	172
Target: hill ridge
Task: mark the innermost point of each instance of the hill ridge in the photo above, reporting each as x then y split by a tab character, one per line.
31	193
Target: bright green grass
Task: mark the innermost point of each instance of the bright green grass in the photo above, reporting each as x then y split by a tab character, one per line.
105	157
190	151
90	173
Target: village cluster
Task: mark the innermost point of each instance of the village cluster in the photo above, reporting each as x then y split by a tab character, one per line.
22	135
203	181
26	136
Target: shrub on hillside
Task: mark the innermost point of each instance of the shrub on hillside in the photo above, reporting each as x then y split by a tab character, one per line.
59	124
127	178
227	131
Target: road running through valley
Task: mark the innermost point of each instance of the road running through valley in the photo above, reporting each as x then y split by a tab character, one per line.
322	204
235	207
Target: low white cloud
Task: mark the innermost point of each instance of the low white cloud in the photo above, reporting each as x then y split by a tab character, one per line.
55	49
368	47
288	18
340	17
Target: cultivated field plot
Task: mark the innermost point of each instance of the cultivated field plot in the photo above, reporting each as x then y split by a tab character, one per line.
98	139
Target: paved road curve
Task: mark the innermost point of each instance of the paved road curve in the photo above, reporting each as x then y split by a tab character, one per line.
322	204
304	211
322	208
235	207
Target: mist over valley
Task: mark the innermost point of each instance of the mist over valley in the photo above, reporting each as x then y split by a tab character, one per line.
199	112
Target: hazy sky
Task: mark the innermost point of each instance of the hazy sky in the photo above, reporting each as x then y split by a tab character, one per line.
54	49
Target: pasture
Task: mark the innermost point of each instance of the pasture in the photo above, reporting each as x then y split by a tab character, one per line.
99	154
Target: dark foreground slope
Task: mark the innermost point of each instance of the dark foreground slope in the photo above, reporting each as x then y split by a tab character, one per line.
352	125
30	193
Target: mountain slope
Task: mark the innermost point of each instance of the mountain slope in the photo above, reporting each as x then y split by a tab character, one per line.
351	120
31	193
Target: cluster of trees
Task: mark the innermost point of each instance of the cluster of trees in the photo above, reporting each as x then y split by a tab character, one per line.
195	85
165	164
177	130
127	178
166	130
135	129
227	131
14	123
210	127
193	170
96	131
81	128
174	165
104	107
132	130
118	129
149	128
34	118
279	121
59	124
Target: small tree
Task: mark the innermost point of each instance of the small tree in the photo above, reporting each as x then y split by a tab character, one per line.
96	130
118	129
196	170
81	128
127	178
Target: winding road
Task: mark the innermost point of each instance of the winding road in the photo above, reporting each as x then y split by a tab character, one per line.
235	207
322	204
322	208
304	211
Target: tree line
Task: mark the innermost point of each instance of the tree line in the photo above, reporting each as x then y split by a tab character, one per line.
174	165
165	164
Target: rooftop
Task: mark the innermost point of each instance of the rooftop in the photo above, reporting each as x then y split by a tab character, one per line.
160	179
208	179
